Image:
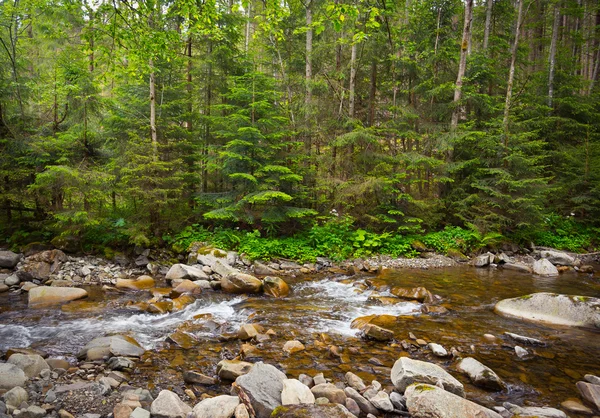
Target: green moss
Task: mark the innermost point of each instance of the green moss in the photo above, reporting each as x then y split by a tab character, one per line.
424	388
526	297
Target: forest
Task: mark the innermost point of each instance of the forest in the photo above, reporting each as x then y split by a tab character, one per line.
348	124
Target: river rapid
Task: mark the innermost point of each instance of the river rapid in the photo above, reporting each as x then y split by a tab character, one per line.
318	313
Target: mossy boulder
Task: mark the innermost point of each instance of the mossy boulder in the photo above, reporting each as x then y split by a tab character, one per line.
312	411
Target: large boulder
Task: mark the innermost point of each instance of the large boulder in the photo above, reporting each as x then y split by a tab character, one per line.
41	265
543	267
480	374
428	401
558	257
218	407
241	283
11	376
115	345
31	364
183	272
260	389
276	287
46	295
312	411
295	392
141	283
552	308
8	259
407	371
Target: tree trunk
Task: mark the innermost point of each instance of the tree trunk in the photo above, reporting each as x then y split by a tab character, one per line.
552	59
373	92
488	24
189	83
464	46
247	40
511	72
352	86
309	49
153	133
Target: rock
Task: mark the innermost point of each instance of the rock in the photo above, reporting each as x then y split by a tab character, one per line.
364	405
483	260
295	392
398	401
416	293
141	283
16	396
182	301
12	280
590	378
329	391
558	257
31	364
32	411
188	286
352	407
260	390
120	363
11	376
312	411
438	350
355	382
222	268
45	295
543	267
240	283
427	401
185	272
160	307
521	352
27	286
218	407
586	269
196	378
9	260
275	287
122	411
293	346
139	413
247	332
382	401
232	369
576	407
524	340
534	412
480	374
579	311
263	270
590	393
241	411
520	267
377	333
168	405
64	414
319	379
407	371
117	345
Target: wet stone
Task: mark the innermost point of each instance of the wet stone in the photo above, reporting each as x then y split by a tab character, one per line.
576	407
198	378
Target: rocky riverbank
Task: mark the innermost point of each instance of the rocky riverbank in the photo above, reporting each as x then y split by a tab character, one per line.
106	378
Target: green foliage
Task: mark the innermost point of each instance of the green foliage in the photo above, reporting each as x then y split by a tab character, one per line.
563	233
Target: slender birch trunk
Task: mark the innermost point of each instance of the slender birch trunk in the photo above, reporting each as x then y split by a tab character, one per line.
511	72
464	46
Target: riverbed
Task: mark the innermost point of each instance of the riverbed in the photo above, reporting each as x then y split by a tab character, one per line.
319	312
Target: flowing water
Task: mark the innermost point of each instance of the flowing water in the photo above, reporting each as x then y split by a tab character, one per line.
318	313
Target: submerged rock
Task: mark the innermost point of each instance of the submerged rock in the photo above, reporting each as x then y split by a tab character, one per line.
407	371
427	401
480	374
141	283
579	311
45	295
260	389
416	293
